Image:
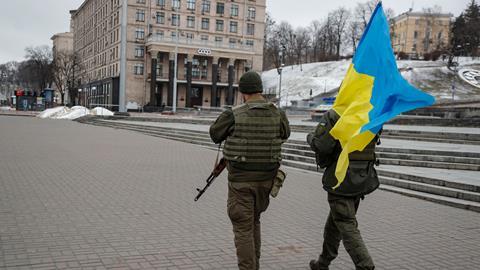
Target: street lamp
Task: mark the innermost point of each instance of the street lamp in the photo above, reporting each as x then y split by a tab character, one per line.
79	95
279	70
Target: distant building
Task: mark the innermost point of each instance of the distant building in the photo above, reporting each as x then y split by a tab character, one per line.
417	33
62	44
218	41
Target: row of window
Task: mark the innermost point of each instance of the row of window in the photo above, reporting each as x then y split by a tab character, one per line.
205	7
205	24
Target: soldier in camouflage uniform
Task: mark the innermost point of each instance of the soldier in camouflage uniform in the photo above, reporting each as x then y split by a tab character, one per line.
361	179
253	133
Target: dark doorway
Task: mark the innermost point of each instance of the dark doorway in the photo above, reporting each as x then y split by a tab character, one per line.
196	96
159	95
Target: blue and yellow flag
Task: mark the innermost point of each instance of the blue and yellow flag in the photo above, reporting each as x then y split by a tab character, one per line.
372	92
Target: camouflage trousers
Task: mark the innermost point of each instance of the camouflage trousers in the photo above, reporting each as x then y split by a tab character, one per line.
246	201
342	225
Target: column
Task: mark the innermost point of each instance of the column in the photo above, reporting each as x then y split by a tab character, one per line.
171	67
188	91
153	80
231	75
214	93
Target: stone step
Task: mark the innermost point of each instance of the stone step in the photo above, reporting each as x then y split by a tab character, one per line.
440	191
430	134
398	162
432	189
191	135
428	180
303	145
458	203
430	139
436	158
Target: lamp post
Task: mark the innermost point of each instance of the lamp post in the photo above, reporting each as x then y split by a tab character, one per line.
79	96
279	70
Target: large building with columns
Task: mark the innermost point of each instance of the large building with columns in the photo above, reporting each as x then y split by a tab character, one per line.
216	42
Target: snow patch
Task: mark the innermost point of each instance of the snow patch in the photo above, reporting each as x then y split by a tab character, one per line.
72	113
430	76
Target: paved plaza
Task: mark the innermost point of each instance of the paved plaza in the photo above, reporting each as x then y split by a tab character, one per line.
76	196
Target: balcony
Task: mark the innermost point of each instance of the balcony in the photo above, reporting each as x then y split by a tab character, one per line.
193	43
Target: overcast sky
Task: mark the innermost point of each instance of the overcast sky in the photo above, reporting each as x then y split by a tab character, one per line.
33	22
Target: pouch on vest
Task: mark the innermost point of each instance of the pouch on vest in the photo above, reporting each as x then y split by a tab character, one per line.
361	179
278	183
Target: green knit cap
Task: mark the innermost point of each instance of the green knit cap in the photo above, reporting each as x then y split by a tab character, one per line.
250	83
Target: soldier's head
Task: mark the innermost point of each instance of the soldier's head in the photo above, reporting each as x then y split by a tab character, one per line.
250	83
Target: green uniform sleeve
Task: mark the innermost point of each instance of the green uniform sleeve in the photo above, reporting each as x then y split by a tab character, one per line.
222	127
320	141
285	126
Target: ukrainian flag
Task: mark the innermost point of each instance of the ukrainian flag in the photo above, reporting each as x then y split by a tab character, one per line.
372	92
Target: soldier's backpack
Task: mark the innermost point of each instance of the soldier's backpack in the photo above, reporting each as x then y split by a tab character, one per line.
322	143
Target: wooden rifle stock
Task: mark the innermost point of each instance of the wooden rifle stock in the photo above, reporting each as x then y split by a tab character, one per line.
216	172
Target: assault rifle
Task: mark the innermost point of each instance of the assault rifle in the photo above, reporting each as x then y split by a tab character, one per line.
216	172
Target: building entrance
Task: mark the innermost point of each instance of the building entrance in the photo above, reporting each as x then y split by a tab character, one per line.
196	96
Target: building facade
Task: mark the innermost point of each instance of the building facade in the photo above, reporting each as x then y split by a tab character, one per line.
215	41
418	33
62	48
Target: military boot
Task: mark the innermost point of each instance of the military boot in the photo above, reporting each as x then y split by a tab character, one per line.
314	266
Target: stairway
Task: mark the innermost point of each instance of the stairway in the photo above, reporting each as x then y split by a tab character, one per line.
298	154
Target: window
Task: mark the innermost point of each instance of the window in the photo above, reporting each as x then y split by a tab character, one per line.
138	69
160	17
251	13
415	35
189	37
205	23
139	33
140	17
141	1
220	8
249	43
234	10
218	41
159	68
233	27
160	34
232	43
206	6
191	21
191	4
219	25
139	51
204	39
439	36
176	4
161	3
250	29
175	19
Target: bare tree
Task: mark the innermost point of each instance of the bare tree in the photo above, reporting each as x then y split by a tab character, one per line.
339	21
302	43
8	78
64	66
39	60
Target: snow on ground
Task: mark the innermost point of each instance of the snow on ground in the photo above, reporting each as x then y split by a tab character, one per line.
72	113
101	111
6	108
431	76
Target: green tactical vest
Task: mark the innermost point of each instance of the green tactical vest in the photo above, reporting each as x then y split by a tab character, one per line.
256	135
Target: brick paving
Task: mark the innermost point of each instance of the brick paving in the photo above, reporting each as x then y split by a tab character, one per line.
75	196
